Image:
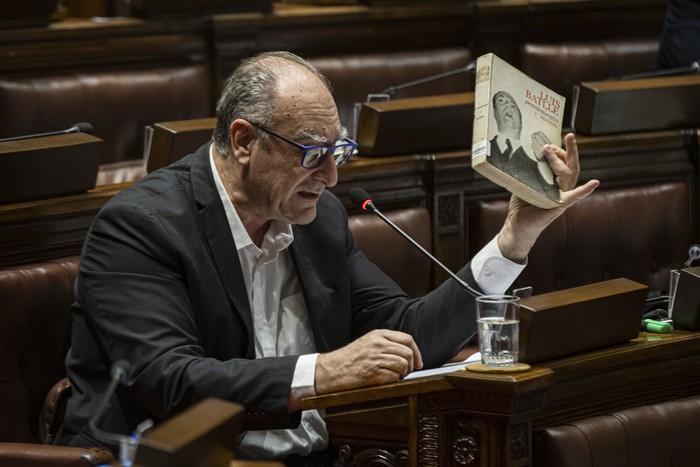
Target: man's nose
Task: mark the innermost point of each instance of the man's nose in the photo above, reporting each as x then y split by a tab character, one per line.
327	172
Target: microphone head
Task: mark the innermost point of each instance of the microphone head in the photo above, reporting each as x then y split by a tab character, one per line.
359	198
82	127
119	370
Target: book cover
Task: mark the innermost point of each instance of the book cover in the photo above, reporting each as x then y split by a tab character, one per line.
514	118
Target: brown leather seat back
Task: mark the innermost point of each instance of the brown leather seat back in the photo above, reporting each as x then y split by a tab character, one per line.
640	233
119	104
393	254
646	436
561	66
355	76
35	326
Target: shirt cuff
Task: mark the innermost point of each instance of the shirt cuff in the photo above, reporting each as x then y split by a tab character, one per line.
303	381
492	272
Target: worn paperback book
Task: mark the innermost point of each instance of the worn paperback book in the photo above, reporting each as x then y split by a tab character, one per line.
514	118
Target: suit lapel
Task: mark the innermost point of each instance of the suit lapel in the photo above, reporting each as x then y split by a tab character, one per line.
218	234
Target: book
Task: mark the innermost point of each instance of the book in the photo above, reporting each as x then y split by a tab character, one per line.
514	117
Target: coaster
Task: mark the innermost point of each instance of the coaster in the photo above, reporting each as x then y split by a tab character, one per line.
481	368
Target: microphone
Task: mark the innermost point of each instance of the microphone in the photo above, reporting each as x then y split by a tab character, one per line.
361	198
692	69
470	68
693	254
127	444
82	127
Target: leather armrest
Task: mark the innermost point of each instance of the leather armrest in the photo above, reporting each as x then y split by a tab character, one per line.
38	455
53	410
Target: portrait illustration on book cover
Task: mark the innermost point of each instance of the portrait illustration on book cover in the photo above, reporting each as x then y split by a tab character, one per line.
514	118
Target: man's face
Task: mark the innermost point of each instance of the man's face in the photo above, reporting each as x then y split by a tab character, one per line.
507	113
276	184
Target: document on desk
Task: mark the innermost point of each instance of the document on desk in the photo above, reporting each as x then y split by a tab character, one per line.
446	368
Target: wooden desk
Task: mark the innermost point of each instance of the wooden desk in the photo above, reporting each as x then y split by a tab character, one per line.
471	419
48	228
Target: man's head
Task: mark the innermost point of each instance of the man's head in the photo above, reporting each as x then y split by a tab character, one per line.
507	114
270	102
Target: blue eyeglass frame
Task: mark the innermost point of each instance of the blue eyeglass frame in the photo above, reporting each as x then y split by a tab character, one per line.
329	150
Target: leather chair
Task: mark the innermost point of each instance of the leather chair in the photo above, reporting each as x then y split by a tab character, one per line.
640	233
34	338
561	66
119	104
654	435
394	255
355	76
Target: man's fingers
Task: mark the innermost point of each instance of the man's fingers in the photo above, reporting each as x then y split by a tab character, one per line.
380	356
578	193
408	348
572	155
564	163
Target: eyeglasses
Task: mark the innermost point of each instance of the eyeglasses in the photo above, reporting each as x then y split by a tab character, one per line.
313	156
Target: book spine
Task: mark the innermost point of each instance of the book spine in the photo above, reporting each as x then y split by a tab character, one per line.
482	91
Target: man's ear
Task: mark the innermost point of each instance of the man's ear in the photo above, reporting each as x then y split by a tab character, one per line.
242	136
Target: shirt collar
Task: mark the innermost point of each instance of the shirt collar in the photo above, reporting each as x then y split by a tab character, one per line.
278	237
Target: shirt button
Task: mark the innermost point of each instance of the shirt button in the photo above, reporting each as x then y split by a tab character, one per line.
487	271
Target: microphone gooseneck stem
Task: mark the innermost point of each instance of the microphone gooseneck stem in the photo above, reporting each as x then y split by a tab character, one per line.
369	205
692	69
100	434
82	127
465	69
118	375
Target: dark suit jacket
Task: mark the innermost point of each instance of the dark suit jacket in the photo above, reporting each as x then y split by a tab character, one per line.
160	286
679	44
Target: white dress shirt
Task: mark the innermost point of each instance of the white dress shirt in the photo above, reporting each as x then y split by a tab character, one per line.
281	322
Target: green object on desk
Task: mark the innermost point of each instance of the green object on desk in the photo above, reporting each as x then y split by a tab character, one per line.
650	325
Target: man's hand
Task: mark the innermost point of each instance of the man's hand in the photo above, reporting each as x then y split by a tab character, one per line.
539	141
524	222
380	356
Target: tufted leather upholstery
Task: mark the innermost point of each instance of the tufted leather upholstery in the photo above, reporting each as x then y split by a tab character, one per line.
35	331
394	255
656	435
34	337
355	76
560	66
640	233
117	103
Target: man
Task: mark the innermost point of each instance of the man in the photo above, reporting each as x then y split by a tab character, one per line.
679	44
232	274
508	154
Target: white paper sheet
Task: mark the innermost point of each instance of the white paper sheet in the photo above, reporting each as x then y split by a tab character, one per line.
447	368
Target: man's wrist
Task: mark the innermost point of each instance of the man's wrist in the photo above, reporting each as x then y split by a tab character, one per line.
512	248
